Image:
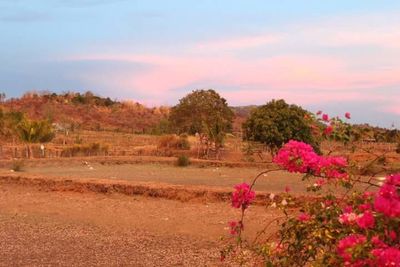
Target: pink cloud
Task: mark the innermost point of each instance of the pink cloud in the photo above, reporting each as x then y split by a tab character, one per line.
239	43
382	39
296	72
298	97
392	108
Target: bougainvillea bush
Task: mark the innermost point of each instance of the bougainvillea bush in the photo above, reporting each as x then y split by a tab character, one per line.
358	225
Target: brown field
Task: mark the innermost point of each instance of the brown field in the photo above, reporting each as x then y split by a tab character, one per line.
131	205
75	213
43	224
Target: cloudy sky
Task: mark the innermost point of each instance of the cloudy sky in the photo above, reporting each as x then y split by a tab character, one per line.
338	56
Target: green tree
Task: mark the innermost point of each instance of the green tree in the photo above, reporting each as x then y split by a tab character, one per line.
392	136
277	122
204	112
31	132
8	127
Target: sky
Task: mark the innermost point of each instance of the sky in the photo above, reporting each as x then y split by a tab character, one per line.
336	56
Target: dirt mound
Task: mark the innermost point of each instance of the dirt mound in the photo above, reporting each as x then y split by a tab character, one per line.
131	160
182	193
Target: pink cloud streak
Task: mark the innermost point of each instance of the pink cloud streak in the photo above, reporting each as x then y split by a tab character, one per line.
281	72
240	43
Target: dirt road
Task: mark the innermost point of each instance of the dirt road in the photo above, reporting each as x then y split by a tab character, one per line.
84	229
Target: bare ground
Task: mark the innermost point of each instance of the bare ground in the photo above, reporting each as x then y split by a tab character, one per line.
210	176
43	228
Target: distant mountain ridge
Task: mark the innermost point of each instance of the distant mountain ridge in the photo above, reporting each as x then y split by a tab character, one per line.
87	111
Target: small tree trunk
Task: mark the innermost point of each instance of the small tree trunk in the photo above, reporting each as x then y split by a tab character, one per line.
14	149
29	151
217	150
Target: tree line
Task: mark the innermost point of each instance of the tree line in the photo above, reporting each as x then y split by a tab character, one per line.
206	114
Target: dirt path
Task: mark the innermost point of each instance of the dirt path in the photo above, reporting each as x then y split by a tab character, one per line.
81	229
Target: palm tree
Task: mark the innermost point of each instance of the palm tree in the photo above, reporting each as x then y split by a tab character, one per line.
32	132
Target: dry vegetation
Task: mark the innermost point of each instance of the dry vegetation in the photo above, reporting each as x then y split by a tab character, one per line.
119	154
89	112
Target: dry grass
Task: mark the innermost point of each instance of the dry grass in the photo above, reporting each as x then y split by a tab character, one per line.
132	145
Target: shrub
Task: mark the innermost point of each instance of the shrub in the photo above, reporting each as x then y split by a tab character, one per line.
277	122
163	127
93	149
183	161
353	226
174	142
18	165
78	140
183	142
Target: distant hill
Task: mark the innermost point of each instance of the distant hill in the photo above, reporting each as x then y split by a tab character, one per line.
91	112
88	111
241	115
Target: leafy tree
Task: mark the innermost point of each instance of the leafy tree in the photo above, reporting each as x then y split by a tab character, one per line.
10	123
392	136
31	132
204	112
163	127
8	126
277	122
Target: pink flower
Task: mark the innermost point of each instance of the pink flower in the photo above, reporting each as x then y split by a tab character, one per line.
325	117
328	203
347	115
348	218
319	112
296	156
331	167
377	242
235	227
347	245
364	207
366	220
348	209
387	256
300	157
328	130
304	217
392	234
242	196
387	200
